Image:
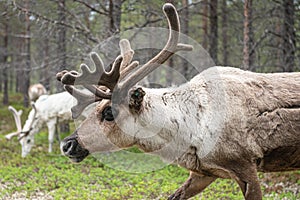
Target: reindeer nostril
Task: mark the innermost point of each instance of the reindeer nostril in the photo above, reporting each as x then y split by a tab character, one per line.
69	146
66	146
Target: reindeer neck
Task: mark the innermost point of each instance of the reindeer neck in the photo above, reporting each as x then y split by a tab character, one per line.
32	123
169	120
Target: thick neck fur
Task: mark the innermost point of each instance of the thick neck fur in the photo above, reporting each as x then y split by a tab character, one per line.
177	123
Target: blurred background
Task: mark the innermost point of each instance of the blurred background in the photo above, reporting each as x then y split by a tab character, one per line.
38	38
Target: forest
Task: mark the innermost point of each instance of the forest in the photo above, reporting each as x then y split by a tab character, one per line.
39	38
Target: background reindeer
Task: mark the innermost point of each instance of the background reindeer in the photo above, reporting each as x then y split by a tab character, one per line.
224	123
49	110
35	91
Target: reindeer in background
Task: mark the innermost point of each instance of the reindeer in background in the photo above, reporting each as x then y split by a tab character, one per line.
49	110
35	91
224	123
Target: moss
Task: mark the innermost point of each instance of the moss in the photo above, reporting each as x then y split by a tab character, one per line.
52	176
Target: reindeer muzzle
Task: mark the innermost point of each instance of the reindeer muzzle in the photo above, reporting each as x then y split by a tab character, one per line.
72	148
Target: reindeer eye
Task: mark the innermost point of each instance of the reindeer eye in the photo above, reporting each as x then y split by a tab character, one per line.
28	141
108	114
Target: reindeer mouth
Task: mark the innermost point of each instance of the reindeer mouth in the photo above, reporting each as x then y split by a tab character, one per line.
72	149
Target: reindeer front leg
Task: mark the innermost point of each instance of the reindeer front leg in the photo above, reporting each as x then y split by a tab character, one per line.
248	182
195	184
51	124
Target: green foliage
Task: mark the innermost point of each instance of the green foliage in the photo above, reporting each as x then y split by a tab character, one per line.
42	175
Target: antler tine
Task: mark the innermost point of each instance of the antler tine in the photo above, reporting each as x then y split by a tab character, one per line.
127	54
88	80
17	118
98	77
86	76
111	78
98	92
83	100
11	135
60	75
24	133
170	48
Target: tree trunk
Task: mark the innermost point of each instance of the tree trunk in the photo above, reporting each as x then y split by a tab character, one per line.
289	35
169	75
17	78
205	24
224	33
114	21
185	31
45	76
248	51
62	43
1	80
213	36
11	76
279	41
62	52
5	64
27	69
115	15
17	63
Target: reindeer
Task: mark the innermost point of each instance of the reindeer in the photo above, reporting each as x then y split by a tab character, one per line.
49	110
35	91
224	123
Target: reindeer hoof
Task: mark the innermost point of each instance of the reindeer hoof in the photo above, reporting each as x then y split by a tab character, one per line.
175	196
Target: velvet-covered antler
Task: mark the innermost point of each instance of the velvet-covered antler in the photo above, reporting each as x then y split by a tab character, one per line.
123	74
170	48
17	118
87	78
24	133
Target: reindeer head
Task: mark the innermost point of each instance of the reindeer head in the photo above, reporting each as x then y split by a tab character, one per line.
29	129
121	102
26	134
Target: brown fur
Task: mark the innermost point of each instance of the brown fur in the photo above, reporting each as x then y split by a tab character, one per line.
253	118
261	132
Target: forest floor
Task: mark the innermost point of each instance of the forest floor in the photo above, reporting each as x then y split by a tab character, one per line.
42	175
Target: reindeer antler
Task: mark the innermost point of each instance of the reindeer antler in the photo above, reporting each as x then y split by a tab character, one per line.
86	78
17	117
170	48
127	53
122	75
26	132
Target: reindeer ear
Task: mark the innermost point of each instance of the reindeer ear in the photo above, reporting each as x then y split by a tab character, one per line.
136	96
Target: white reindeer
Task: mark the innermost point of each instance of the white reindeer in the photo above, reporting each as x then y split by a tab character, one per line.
49	110
224	123
35	91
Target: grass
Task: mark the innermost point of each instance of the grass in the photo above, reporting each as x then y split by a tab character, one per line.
52	176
